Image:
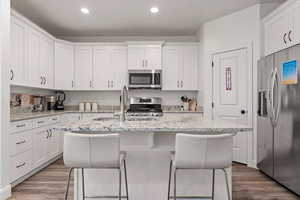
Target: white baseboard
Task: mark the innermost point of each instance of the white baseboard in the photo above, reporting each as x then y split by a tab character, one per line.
252	164
5	192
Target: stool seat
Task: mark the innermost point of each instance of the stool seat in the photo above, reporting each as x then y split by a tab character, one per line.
194	151
97	151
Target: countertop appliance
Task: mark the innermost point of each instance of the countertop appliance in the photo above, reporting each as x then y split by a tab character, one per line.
38	104
279	117
59	102
50	101
144	79
145	106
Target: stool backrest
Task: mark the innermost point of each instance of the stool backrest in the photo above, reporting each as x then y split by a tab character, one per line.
92	150
203	151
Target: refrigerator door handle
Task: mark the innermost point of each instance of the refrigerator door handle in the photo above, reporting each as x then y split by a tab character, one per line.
277	79
271	97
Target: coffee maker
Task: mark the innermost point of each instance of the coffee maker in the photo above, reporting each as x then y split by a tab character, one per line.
59	102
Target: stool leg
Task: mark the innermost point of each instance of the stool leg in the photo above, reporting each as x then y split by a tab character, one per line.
213	185
227	184
83	189
175	170
68	184
120	182
126	183
170	177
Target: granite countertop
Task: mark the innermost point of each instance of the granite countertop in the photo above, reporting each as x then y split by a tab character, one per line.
32	115
176	123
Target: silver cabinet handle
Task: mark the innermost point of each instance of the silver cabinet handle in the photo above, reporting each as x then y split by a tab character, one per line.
91	85
178	84
289	35
181	84
23	164
21	142
45	80
12	75
143	63
21	125
42	80
108	85
48	135
284	38
51	133
40	122
72	84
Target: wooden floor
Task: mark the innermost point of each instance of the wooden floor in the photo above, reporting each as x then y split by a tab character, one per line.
248	184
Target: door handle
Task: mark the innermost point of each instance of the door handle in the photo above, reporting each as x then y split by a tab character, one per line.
243	112
277	81
181	84
269	98
42	80
48	135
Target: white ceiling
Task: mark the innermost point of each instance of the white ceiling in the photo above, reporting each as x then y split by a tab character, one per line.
126	17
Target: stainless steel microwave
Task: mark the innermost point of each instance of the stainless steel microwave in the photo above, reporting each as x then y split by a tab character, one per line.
144	79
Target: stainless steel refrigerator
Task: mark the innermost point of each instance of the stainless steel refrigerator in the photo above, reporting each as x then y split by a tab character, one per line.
279	117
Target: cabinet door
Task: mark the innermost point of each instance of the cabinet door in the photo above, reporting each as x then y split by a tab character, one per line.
189	72
102	73
83	67
172	59
53	143
64	66
46	61
276	33
136	58
40	139
118	60
295	31
18	72
34	77
153	58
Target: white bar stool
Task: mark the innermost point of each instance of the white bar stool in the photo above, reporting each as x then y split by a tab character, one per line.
94	151
201	152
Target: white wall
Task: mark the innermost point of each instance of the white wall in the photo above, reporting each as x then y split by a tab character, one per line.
4	97
233	31
129	38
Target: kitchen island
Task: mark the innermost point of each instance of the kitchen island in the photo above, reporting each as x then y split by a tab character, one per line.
148	142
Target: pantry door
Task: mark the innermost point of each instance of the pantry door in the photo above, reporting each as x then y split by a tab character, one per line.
231	100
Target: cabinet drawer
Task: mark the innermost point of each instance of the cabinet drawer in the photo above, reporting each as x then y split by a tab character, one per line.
20	126
20	165
20	143
37	123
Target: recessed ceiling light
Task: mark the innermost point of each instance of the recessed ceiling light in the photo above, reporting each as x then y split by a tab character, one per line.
154	10
85	10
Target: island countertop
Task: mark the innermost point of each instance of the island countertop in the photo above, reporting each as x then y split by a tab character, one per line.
174	123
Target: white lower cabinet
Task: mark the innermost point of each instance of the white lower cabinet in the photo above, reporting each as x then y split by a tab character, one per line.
20	165
40	138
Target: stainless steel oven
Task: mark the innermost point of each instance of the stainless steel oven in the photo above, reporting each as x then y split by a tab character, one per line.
144	79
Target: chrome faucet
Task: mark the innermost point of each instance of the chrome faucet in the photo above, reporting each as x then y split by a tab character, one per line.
123	102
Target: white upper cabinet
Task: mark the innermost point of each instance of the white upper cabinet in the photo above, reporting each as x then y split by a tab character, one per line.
18	66
189	68
109	67
180	65
64	66
47	62
295	35
32	51
281	28
83	67
35	78
142	57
